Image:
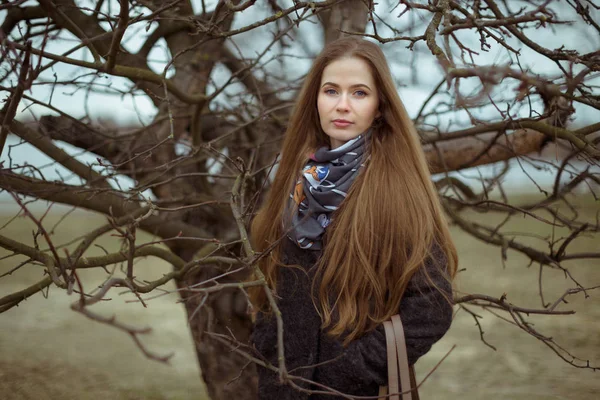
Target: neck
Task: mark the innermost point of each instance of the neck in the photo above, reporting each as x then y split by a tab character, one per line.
334	143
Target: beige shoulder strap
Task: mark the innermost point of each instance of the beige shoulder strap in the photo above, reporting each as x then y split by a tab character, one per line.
402	356
393	384
397	360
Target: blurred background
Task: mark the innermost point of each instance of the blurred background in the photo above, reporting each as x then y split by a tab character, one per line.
505	110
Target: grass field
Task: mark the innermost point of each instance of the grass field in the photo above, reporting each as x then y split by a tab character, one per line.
48	351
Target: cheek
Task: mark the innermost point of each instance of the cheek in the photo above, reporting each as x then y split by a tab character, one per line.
321	105
369	109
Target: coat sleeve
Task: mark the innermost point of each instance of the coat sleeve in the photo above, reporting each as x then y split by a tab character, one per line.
426	315
301	325
264	338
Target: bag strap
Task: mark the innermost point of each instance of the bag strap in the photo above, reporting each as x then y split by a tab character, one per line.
402	357
392	361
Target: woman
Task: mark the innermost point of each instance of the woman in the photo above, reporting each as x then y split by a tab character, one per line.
355	232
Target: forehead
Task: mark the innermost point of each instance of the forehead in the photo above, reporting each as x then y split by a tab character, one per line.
348	71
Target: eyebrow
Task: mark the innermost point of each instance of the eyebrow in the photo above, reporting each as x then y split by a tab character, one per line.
351	87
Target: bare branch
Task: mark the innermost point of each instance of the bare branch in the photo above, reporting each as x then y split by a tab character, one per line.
118	35
10	109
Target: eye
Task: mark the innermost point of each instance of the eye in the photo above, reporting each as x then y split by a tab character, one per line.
330	91
360	93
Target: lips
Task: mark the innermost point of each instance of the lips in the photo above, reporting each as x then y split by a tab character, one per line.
341	123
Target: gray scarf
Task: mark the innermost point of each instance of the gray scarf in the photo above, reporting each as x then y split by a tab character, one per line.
323	185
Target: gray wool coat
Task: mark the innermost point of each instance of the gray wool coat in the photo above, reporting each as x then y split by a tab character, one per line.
361	367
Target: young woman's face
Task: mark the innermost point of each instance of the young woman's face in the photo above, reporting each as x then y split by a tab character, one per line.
347	101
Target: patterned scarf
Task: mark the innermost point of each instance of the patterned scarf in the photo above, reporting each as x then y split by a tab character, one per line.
323	185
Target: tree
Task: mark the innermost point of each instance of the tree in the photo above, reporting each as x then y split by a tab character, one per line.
220	100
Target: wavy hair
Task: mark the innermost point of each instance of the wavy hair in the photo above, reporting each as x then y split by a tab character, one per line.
387	226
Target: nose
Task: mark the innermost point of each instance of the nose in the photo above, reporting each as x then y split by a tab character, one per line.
342	104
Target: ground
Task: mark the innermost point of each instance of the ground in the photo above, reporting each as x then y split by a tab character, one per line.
48	351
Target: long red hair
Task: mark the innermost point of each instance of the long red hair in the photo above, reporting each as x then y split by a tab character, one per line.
386	227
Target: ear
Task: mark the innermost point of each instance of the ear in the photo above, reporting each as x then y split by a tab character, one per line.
378	114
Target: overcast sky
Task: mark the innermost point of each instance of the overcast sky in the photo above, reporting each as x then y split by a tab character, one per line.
415	81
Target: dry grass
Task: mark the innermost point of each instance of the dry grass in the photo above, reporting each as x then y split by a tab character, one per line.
522	367
49	352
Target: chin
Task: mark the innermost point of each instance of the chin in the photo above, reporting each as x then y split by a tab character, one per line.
345	137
